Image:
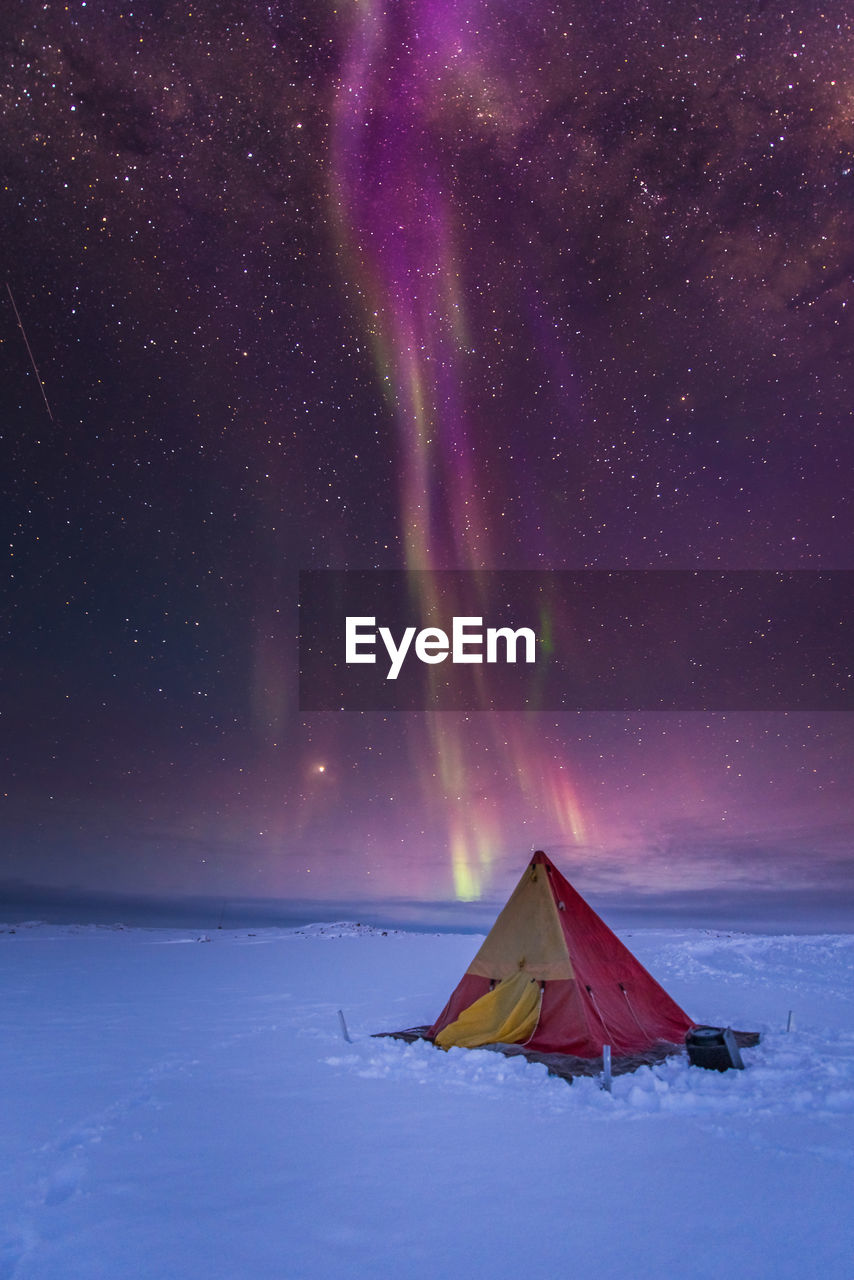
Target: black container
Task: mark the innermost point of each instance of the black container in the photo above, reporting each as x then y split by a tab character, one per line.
713	1048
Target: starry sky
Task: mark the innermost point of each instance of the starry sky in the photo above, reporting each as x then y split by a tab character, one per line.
423	285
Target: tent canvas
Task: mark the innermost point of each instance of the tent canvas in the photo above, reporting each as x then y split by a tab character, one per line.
553	977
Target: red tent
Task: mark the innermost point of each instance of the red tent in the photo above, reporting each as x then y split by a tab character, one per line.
552	976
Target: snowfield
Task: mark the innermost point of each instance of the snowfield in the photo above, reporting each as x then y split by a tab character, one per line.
183	1106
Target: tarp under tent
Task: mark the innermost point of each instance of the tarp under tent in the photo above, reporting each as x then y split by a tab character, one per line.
552	978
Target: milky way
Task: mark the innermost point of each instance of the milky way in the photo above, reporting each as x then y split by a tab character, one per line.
472	285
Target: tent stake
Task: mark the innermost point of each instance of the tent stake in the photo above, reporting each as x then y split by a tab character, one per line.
606	1067
345	1033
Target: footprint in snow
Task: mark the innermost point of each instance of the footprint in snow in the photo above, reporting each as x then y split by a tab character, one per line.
63	1183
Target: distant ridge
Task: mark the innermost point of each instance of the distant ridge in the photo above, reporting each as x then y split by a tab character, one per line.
746	910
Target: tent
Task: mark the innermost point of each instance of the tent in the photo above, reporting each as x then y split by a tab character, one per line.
553	977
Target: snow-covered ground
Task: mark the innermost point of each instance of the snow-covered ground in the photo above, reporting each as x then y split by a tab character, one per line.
180	1105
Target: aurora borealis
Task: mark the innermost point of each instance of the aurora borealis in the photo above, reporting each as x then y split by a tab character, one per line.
415	285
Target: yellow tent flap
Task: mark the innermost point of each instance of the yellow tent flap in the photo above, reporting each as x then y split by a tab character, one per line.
506	1015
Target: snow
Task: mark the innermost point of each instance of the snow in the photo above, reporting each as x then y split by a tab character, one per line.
183	1105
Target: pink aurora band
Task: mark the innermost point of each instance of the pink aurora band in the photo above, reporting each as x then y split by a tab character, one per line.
414	75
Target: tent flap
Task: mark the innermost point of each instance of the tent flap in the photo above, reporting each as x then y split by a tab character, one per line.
506	1015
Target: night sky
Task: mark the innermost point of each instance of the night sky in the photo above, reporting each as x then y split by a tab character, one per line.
427	285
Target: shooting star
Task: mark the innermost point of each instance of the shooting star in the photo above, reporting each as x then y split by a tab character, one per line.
29	351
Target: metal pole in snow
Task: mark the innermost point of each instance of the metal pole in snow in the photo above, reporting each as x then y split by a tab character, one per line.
791	1020
345	1033
606	1067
